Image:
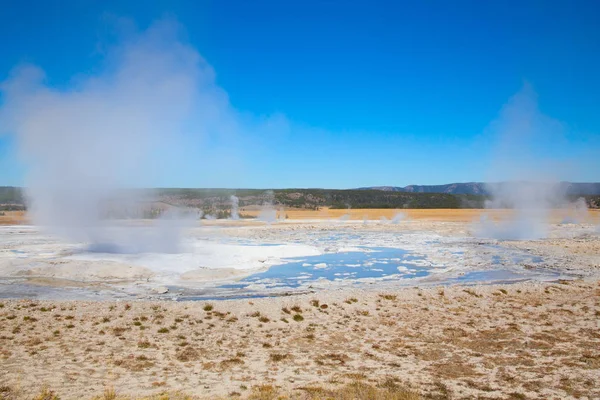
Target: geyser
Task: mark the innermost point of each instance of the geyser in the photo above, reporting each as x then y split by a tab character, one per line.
268	213
530	189
138	120
234	207
531	203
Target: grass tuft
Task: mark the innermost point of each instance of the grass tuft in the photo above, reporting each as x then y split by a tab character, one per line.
298	318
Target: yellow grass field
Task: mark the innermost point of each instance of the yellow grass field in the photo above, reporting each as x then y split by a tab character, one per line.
441	215
13	218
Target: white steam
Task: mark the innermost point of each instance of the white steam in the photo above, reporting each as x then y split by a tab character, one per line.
154	99
398	217
530	186
282	215
235	202
531	202
577	212
268	213
344	217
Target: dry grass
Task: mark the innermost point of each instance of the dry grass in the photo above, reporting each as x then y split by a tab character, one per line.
442	215
415	340
14	218
356	390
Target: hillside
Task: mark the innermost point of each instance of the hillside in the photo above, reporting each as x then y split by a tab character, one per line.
481	188
218	201
210	199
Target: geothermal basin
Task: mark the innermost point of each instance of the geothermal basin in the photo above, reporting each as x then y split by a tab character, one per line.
236	259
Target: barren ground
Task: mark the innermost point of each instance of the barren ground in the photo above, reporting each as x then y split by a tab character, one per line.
538	340
529	340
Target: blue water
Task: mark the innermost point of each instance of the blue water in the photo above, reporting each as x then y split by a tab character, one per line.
504	276
513	257
370	263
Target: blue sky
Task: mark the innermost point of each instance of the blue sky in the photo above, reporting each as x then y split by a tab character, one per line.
376	93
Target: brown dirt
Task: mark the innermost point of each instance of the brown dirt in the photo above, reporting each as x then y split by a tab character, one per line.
529	340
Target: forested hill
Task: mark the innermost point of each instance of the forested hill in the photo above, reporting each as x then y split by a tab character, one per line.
480	188
12	198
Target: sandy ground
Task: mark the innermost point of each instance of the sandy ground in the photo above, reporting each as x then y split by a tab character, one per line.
529	340
443	339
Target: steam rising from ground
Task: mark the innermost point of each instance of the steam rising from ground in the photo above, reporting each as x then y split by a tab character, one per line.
235	202
577	213
82	144
268	213
531	201
398	217
531	190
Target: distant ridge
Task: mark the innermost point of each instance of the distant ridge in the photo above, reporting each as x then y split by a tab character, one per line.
480	188
218	201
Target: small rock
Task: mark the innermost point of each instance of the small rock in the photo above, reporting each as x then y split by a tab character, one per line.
160	290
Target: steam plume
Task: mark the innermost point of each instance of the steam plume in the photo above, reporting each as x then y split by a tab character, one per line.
154	99
398	217
234	207
531	188
268	213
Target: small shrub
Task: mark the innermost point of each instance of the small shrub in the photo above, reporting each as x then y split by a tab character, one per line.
472	293
298	318
119	331
276	357
46	394
109	394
